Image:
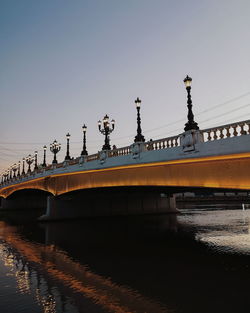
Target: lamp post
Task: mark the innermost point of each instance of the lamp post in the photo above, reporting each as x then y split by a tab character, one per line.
19	169
29	161
84	130
14	169
44	156
106	130
67	157
5	177
23	170
55	147
191	124
139	137
36	166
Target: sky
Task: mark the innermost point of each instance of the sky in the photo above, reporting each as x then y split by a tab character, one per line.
65	63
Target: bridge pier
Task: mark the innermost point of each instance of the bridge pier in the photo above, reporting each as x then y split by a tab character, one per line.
103	204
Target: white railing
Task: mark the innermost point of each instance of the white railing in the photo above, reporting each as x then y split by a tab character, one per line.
226	131
169	142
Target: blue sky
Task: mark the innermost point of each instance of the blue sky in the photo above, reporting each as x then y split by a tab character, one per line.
65	63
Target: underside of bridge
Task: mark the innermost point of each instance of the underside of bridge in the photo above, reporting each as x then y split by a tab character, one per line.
25	199
109	201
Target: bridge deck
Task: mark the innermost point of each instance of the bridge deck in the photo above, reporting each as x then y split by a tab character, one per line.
222	163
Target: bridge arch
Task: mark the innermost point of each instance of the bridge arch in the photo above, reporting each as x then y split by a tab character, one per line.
28	198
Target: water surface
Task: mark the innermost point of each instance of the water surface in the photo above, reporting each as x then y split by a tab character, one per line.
197	261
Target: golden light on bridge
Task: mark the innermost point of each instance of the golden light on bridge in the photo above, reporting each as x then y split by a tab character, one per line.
228	171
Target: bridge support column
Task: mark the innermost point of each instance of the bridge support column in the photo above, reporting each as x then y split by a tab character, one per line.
109	204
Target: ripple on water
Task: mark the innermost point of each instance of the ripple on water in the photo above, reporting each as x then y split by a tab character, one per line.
225	231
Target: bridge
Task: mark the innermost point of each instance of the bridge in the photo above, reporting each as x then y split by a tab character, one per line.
217	158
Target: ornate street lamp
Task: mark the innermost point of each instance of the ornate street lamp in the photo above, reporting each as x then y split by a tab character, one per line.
23	170
10	173
55	147
139	137
106	130
5	176
36	166
191	124
44	156
19	169
14	169
29	161
84	151
67	157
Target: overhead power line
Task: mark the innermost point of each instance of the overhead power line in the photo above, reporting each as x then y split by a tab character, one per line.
211	108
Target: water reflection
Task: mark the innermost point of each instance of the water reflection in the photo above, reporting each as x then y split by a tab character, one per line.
223	230
51	264
163	263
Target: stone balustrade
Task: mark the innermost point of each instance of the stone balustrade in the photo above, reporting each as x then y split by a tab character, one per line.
164	143
226	131
119	151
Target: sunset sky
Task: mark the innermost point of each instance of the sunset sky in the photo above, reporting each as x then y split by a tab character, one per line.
64	63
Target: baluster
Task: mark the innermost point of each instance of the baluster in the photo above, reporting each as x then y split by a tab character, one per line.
168	143
221	133
242	131
235	133
175	142
163	147
248	125
209	136
228	132
172	142
215	134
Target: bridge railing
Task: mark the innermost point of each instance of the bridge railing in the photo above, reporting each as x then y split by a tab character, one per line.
119	151
226	131
92	157
209	134
169	142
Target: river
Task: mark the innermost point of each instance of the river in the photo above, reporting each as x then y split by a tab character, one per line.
196	261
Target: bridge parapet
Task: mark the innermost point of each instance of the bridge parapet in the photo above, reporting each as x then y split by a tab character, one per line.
227	130
220	140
